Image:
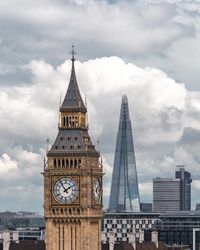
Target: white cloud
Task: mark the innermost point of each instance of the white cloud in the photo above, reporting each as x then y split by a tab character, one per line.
146	188
160	109
7	165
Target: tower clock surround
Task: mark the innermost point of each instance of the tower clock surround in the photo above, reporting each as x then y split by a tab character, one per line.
73	179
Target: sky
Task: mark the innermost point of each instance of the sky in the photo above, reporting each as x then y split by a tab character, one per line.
147	49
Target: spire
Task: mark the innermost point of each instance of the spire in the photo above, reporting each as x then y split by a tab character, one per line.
73	53
73	99
124	195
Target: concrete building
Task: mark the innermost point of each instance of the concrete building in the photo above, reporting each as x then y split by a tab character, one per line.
177	228
166	194
119	228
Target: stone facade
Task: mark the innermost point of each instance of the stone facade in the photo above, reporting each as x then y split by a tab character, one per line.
73	180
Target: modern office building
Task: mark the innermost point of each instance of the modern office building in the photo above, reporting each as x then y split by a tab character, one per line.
197	206
172	194
124	195
146	207
166	194
177	228
185	188
126	227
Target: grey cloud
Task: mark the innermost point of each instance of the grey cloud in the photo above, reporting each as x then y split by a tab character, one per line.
171	118
190	136
165	35
35	31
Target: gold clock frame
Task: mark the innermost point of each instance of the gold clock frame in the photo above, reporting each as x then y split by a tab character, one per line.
94	202
54	179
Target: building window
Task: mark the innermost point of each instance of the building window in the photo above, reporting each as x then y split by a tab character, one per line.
75	163
54	162
63	162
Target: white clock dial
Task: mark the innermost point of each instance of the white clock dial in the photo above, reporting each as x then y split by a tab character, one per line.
65	190
97	190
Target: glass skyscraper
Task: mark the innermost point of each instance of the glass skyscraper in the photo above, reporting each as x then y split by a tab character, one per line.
185	188
124	196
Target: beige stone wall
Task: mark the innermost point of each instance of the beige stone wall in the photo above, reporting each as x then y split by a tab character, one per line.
75	226
80	235
67	119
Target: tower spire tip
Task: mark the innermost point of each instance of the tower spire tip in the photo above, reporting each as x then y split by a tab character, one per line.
73	53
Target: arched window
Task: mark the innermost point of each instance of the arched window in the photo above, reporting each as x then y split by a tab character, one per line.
75	163
67	121
63	162
54	162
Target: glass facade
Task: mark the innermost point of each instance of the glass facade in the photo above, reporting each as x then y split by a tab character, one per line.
185	189
124	189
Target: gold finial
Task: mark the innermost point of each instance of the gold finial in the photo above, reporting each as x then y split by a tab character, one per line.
98	145
73	53
47	146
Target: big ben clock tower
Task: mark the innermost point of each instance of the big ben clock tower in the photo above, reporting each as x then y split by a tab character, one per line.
73	180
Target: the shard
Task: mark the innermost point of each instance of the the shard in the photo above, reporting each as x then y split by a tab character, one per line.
124	196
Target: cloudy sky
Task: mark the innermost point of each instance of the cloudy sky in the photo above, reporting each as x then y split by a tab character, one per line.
147	49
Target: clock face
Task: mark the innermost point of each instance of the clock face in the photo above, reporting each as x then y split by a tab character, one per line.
65	190
97	190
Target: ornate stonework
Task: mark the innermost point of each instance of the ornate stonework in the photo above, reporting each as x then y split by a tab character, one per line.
73	180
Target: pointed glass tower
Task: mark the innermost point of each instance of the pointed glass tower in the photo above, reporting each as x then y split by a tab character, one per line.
124	196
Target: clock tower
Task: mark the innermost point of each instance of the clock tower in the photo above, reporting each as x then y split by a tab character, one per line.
73	179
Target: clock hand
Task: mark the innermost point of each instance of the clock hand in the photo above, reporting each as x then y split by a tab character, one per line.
63	186
66	189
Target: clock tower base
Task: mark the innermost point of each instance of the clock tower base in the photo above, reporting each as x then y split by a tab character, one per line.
73	234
